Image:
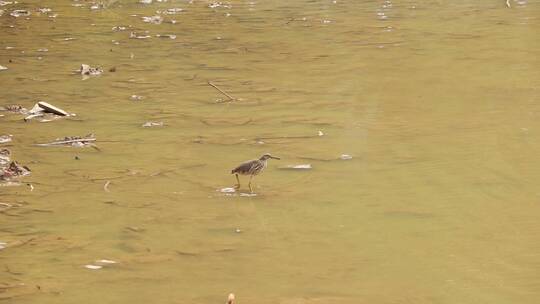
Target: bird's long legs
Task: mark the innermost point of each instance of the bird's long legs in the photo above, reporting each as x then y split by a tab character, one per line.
237	186
250	178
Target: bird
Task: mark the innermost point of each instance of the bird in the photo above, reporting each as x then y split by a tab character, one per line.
251	168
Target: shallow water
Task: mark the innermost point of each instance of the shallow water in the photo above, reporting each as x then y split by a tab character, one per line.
436	101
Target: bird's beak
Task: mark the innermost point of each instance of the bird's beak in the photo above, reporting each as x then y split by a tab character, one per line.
274	157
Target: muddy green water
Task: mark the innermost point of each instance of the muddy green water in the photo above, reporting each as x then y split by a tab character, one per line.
437	102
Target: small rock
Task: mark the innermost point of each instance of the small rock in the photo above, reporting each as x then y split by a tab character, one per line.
134	35
166	36
5	138
49	108
119	28
153	19
150	124
93	267
171	11
345	157
105	262
320	133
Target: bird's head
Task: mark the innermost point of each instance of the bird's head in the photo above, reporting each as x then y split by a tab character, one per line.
267	156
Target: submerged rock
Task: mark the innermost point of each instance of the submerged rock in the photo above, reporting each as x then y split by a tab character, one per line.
86	70
19	13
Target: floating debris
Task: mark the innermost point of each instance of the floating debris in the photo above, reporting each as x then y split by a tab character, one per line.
297	167
119	28
166	36
86	70
345	157
134	35
4	157
227	190
3	68
14	170
145	1
43	50
46	111
15	108
150	124
170	11
3	3
73	141
218	4
136	97
44	10
93	267
153	19
5	138
19	13
320	133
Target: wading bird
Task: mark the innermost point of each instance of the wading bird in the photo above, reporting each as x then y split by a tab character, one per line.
251	168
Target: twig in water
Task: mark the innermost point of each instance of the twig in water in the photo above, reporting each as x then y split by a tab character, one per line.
221	91
11	271
64	142
106	186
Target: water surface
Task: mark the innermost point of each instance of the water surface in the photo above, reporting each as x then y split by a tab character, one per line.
436	101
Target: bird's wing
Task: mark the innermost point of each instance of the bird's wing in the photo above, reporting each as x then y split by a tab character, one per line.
244	167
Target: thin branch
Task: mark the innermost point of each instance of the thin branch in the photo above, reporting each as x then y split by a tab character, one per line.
221	91
65	142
